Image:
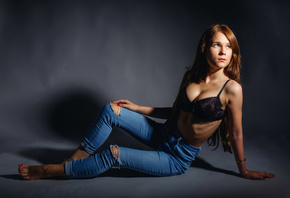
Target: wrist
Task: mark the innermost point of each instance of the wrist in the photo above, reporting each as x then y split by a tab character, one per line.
244	173
143	109
242	166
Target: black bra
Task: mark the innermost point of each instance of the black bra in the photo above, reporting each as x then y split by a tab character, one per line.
207	109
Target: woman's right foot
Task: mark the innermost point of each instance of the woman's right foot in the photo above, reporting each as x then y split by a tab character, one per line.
29	172
80	153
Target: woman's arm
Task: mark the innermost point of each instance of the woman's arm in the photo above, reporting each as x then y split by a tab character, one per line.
163	113
235	102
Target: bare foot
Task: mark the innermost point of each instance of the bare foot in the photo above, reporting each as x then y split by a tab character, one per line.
29	172
80	153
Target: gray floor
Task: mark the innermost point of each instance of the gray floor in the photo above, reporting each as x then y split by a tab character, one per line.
213	174
61	60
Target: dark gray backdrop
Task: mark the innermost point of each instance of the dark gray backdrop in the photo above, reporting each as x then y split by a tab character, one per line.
61	61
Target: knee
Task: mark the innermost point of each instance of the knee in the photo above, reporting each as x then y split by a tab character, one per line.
116	109
111	108
115	152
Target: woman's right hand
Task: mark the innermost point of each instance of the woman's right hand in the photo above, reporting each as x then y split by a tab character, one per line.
257	175
127	104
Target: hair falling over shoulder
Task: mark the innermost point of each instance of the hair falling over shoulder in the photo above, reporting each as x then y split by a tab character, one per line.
198	72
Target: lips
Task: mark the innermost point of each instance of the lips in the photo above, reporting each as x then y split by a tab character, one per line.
222	59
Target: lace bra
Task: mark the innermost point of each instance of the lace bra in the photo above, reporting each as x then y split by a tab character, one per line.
207	109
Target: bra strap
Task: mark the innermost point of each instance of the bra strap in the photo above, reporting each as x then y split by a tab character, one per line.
222	88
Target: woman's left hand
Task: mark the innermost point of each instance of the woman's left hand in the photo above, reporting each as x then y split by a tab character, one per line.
257	175
127	104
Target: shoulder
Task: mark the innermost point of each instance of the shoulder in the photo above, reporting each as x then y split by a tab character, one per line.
234	91
234	88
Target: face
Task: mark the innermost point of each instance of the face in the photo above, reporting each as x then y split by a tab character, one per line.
219	53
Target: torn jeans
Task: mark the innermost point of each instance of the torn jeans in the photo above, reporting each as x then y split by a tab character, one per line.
171	154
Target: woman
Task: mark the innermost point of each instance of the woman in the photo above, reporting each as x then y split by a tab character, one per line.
209	102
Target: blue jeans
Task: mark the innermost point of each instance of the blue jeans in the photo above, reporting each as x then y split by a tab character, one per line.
172	155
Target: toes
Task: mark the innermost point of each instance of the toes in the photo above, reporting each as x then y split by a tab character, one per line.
23	170
22	167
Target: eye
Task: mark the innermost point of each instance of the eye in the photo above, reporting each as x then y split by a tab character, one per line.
216	45
229	47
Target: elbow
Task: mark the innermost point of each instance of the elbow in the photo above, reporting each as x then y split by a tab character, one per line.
236	135
236	138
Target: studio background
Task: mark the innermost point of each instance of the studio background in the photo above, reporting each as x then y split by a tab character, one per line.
61	61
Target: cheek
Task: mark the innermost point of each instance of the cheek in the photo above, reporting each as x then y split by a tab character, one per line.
229	59
210	54
210	60
230	54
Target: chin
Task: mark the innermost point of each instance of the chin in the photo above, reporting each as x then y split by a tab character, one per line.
222	65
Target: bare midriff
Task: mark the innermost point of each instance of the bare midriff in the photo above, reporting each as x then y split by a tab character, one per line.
194	131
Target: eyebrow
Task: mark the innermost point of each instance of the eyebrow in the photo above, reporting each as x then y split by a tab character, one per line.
220	42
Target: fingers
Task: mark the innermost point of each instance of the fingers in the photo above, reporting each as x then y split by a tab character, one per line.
121	101
258	175
268	175
116	102
254	176
126	104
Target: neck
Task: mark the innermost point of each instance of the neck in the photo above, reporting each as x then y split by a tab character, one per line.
215	75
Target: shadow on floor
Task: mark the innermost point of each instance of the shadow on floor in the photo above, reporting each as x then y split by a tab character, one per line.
200	163
12	176
70	113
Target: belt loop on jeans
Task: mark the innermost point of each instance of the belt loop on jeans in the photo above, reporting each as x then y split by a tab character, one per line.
177	142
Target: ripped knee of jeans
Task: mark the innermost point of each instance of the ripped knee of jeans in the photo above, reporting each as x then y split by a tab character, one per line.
115	153
116	109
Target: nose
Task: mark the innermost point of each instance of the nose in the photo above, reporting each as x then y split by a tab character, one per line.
222	51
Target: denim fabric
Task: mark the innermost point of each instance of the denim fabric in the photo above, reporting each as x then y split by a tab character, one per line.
172	155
